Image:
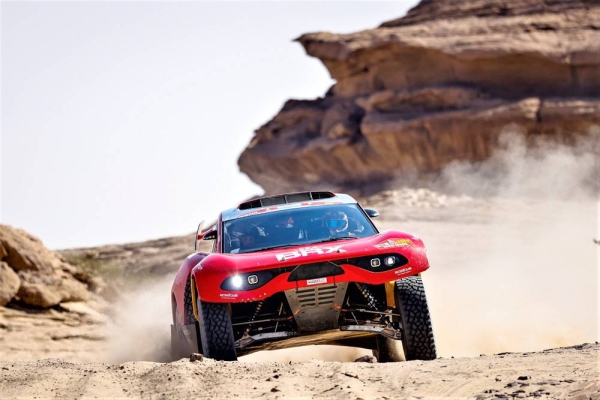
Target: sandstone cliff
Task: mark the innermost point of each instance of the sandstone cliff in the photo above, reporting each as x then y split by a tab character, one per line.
440	84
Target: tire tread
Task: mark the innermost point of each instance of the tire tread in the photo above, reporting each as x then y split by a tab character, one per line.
216	331
188	306
418	340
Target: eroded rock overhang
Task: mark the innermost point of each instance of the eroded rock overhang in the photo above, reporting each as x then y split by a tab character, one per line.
411	97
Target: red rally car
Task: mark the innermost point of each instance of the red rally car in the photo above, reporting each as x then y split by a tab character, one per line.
298	269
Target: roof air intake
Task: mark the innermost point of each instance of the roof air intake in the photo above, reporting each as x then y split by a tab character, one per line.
285	199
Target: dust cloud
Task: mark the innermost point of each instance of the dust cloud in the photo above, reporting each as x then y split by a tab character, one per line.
538	167
140	326
515	267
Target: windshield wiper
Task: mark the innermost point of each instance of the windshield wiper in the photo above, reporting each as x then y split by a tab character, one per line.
335	239
270	248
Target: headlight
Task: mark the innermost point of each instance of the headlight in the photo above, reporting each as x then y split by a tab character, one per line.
378	263
237	281
247	281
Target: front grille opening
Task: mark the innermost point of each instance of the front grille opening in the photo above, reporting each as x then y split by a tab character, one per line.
314	271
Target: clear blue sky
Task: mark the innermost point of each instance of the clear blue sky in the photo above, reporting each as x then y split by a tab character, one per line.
123	121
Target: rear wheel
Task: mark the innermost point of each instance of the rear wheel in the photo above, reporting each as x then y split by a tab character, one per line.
185	343
216	332
177	348
417	332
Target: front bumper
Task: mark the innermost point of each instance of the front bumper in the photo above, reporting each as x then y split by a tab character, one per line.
216	285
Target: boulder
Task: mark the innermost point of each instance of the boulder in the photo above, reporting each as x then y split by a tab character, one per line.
26	252
46	291
9	283
34	275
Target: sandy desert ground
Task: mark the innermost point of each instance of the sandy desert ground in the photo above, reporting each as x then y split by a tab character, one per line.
558	373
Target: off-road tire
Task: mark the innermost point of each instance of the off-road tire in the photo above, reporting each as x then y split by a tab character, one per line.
386	350
188	303
216	332
417	332
179	347
190	318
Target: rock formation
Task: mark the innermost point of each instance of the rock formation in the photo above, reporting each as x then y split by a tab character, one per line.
35	276
438	85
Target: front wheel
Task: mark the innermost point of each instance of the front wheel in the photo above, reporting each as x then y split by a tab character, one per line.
417	332
386	350
216	332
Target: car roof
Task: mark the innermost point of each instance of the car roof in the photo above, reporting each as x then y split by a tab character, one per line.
286	201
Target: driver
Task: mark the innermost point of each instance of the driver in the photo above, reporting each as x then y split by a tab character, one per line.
337	223
285	222
248	236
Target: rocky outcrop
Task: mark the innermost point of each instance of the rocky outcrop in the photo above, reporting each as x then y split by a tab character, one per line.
33	275
438	85
428	10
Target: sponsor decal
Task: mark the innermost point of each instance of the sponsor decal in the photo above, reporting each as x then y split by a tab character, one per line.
319	203
228	295
393	243
316	281
403	270
304	251
260	211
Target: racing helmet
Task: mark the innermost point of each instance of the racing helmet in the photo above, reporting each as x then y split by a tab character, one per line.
336	221
248	235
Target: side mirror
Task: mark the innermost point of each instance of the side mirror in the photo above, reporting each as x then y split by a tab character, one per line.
210	235
371	213
198	235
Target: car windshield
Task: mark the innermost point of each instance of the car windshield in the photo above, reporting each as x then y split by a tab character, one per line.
298	226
